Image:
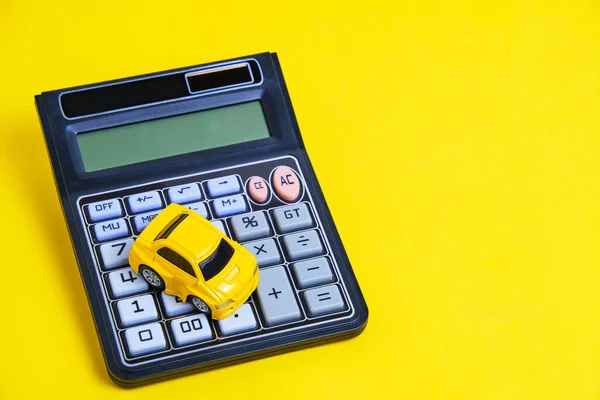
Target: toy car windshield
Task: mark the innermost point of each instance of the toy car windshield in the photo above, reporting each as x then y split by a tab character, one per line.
217	260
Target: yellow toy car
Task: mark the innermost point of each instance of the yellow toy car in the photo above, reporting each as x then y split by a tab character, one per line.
187	256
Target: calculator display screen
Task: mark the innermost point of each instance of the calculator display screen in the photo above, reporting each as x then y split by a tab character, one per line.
149	140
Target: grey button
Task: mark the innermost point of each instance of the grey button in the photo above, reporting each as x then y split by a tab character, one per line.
115	254
173	306
192	329
323	300
144	202
292	218
124	282
303	244
141	221
184	193
224	185
137	310
242	321
105	209
112	229
250	226
265	251
312	272
276	297
225	206
199	207
145	339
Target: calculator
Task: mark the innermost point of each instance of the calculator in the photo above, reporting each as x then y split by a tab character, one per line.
222	140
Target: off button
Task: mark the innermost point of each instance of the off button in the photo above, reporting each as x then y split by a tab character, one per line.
286	184
103	210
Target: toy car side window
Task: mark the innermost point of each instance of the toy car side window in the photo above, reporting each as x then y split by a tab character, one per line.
177	260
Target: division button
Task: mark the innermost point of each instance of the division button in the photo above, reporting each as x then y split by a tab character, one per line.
125	282
173	306
303	244
276	297
145	339
184	193
286	184
146	201
223	186
265	251
115	254
199	207
250	226
292	218
106	209
230	205
312	272
112	229
258	189
323	300
141	221
192	329
242	321
137	310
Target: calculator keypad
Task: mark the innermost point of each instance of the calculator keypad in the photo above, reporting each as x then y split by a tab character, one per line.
271	215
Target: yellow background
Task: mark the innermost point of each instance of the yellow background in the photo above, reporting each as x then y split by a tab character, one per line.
457	145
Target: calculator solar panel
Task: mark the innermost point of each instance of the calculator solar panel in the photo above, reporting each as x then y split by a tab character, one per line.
262	193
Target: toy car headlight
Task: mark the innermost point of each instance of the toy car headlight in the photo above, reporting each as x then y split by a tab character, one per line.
221	306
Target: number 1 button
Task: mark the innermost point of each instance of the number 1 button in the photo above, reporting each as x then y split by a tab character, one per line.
137	310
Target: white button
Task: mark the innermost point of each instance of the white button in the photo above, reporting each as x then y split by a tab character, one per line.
174	307
220	225
223	186
229	205
112	229
184	193
115	254
243	320
137	310
145	339
124	282
144	202
192	329
141	221
105	209
199	207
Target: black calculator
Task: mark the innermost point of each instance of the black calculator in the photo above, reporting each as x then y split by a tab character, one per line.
221	139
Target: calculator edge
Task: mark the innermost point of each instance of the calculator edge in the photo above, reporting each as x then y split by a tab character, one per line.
111	360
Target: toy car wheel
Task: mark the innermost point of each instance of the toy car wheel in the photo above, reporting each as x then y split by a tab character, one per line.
200	304
152	277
